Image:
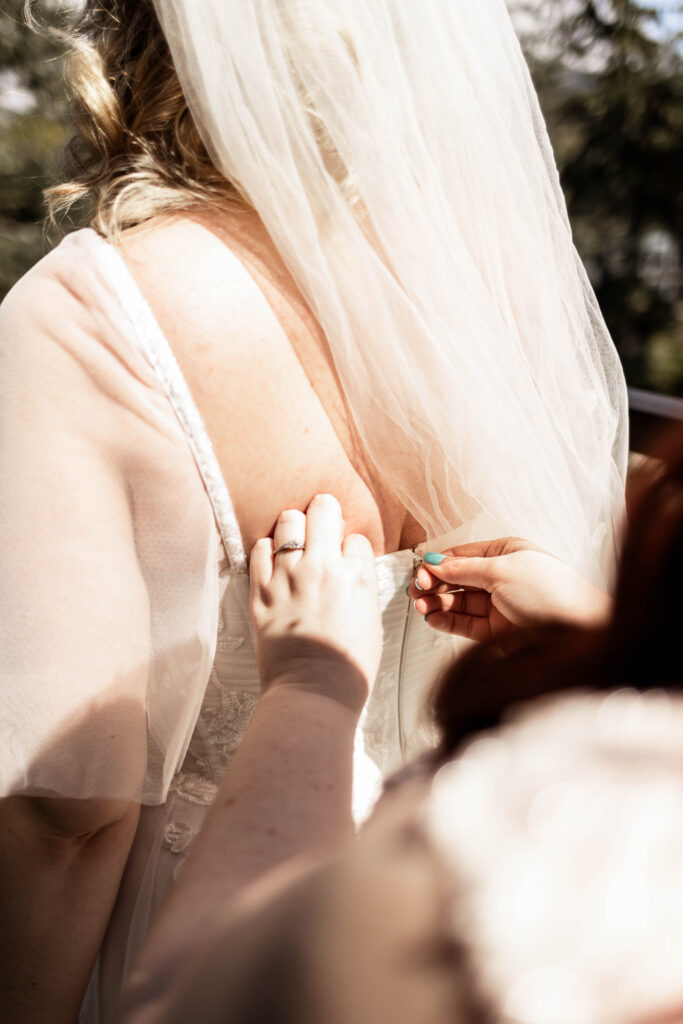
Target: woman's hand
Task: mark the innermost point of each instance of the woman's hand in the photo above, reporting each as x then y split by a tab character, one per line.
316	612
287	792
482	590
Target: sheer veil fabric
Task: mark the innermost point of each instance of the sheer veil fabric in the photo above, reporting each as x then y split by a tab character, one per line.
109	586
397	155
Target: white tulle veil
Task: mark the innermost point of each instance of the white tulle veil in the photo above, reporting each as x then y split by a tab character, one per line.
396	154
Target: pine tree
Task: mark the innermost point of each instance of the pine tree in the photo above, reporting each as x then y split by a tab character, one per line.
614	102
32	130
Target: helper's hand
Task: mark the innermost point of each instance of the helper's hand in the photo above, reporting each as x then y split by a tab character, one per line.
482	590
316	612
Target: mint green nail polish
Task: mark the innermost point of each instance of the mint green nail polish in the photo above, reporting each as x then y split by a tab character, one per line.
417	585
408	590
432	558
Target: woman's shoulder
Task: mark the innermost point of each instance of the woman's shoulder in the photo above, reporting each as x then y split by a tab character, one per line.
48	306
168	256
69	309
174	244
49	278
189	273
196	272
74	286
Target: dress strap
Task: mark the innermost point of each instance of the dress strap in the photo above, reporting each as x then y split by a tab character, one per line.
157	351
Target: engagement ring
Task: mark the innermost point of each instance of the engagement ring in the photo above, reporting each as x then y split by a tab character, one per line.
291	545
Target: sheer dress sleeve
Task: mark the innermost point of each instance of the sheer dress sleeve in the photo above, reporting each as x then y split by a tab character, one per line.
108	547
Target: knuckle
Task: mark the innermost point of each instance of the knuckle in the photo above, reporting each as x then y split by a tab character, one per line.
310	573
469	628
501	571
258	614
261	547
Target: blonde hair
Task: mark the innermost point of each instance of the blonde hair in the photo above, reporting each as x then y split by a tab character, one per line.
135	151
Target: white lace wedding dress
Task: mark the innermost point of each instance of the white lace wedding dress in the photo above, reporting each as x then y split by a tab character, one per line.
130	599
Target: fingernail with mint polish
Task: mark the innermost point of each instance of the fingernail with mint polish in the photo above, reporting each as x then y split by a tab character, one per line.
417	585
433	558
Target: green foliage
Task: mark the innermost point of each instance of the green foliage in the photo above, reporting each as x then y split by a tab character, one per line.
32	131
34	55
614	105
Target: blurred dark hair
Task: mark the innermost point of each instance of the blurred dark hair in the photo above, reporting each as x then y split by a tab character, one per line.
640	647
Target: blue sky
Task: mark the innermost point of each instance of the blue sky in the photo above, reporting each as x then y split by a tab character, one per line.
672	16
551	10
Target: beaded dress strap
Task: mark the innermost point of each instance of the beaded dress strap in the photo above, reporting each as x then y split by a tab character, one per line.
157	351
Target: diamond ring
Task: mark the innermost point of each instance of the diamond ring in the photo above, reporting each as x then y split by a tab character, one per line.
291	545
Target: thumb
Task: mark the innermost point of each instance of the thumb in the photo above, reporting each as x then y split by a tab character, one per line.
464	571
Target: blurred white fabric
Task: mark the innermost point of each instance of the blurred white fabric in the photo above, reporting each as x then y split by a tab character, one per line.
562	834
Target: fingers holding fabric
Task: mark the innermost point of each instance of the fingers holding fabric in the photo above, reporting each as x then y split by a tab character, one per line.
425	583
460	613
522	585
454	590
472	627
316	614
481	564
465	602
461	570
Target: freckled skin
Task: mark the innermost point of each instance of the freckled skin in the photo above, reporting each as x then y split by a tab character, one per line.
260	372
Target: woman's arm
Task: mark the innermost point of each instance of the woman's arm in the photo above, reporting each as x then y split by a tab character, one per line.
73	663
288	790
60	866
74	634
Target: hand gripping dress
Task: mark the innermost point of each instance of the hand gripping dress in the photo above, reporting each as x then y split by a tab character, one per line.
127	656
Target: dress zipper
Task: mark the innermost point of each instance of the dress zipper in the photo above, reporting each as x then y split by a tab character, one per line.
417	562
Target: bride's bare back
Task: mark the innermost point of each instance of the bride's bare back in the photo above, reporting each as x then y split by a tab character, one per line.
257	364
